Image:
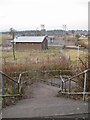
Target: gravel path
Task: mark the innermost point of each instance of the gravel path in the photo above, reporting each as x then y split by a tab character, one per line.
41	101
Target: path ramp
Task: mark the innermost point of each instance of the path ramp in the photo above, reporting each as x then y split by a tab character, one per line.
41	100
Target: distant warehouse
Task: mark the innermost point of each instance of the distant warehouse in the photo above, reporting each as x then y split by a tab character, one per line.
31	43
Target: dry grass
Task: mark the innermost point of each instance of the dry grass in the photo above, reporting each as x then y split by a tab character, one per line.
4	37
32	55
49	59
68	37
73	54
83	43
48	56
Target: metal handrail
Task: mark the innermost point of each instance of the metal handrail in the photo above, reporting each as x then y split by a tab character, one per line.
9	79
71	79
8	76
85	71
19	83
73	76
19	80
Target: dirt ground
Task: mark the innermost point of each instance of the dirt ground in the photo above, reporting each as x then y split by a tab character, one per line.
36	91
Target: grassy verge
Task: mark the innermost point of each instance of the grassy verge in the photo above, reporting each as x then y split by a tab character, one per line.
27	60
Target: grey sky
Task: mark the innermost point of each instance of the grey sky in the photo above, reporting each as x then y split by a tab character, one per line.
30	14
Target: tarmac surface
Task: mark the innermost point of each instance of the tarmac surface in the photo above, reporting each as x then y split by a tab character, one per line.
41	100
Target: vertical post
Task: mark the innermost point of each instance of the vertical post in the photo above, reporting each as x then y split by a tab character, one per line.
18	87
13	88
3	98
59	83
51	82
64	28
2	86
13	45
69	85
62	85
19	82
65	86
78	54
84	91
62	81
13	50
13	34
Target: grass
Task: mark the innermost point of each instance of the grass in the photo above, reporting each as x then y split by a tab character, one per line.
4	37
42	60
84	43
32	55
48	59
42	56
73	54
68	37
0	41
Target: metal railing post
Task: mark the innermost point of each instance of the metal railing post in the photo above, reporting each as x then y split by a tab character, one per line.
2	86
51	82
84	90
62	81
18	87
69	85
65	86
62	85
13	88
59	83
19	82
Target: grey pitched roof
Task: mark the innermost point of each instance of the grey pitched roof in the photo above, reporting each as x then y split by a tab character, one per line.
29	39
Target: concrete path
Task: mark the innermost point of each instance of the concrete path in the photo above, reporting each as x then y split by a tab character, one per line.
41	100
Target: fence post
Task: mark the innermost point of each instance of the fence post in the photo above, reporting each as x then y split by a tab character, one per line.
84	91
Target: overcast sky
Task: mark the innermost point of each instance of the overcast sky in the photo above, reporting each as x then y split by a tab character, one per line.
30	14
